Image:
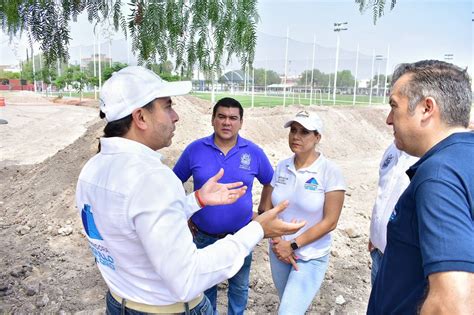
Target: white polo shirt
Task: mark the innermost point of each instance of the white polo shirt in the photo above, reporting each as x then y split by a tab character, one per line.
392	183
305	189
134	212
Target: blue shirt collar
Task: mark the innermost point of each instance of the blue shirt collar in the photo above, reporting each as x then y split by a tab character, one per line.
450	140
241	142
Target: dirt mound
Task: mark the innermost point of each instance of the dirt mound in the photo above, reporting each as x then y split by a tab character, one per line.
47	267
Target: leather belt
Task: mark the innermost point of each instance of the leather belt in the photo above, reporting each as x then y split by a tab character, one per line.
158	309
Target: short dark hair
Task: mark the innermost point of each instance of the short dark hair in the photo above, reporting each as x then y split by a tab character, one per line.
228	102
118	128
448	84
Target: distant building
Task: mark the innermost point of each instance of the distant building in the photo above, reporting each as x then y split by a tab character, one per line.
85	62
10	68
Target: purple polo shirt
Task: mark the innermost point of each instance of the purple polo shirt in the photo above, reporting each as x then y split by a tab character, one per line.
202	159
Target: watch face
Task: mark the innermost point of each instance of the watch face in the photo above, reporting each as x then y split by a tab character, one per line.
294	246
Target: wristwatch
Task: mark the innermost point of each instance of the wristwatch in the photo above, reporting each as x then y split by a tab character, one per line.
293	245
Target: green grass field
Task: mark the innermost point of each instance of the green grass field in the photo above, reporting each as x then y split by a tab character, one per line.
270	101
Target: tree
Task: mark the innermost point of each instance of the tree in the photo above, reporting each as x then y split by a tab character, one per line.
80	80
116	66
345	79
377	7
202	32
271	77
319	78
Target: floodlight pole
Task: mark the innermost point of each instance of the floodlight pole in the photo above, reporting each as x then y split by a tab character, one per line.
253	85
386	75
378	58
338	27
100	61
95	67
286	66
34	69
312	72
355	77
265	84
372	76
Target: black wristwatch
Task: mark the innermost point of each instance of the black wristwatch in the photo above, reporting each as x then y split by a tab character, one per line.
293	245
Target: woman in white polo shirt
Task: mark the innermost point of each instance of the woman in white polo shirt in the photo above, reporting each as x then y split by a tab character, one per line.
315	189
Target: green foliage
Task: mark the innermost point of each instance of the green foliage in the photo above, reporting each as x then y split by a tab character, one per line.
345	79
319	78
377	7
381	80
271	77
9	75
202	32
116	66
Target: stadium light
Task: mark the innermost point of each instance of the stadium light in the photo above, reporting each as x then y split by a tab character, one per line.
338	27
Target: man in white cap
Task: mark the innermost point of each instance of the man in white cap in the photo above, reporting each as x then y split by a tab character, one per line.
135	211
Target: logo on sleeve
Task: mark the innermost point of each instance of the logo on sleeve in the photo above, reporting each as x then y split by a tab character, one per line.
311	184
245	160
387	161
89	223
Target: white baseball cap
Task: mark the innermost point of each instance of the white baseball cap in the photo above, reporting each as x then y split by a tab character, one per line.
134	87
310	121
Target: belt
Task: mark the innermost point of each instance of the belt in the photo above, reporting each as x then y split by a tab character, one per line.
194	227
221	235
180	307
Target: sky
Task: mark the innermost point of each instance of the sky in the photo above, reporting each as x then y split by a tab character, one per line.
413	30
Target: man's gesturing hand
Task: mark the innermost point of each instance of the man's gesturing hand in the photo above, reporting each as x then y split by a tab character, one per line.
273	226
214	193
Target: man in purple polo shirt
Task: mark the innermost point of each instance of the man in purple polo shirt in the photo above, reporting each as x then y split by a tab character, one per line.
242	160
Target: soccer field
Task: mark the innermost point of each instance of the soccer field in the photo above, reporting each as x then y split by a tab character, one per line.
260	100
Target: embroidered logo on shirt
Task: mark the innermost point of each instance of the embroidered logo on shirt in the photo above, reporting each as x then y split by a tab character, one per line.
245	160
101	253
393	215
387	161
311	184
281	180
89	223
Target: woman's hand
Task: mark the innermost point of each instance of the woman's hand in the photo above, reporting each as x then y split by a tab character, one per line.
282	248
291	260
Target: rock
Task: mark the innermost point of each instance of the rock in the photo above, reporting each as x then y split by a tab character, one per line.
351	232
31	309
42	302
20	271
329	275
340	300
334	253
271	302
65	231
22	230
32	290
5	290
